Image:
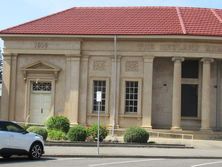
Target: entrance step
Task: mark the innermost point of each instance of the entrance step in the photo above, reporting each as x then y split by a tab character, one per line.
186	134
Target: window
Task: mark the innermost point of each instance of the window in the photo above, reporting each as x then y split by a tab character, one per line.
99	85
14	128
131	96
189	100
42	86
190	69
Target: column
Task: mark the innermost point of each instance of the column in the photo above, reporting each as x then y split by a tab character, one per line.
115	92
176	102
206	94
83	90
5	101
147	92
72	87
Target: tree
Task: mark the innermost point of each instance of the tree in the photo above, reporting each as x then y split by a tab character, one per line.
1	65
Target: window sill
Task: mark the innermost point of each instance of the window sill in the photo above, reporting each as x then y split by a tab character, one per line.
130	115
191	118
96	115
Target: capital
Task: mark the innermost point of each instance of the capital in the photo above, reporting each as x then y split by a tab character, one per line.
148	58
207	60
178	59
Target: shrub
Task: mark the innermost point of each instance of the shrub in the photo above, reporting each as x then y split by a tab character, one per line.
93	131
38	130
56	135
136	135
60	123
25	126
77	133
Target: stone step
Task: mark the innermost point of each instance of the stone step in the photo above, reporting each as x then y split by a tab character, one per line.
186	134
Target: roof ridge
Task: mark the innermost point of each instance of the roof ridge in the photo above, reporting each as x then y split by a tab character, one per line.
181	20
216	15
113	7
47	16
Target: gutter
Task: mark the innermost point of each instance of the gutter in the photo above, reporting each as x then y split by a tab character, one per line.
120	36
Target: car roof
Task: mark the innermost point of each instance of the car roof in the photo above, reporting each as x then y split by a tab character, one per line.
3	121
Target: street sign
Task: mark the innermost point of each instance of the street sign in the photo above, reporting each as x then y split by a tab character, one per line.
99	96
98	100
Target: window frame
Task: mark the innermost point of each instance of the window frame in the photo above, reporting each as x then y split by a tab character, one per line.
103	102
91	96
123	95
16	126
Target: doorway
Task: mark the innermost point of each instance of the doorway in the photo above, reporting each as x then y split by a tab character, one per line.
40	102
189	100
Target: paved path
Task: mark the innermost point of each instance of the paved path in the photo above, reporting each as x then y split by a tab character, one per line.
132	152
203	149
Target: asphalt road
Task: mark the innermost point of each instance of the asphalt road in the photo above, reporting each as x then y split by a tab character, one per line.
110	162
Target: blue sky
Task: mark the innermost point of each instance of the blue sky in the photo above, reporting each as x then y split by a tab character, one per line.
13	12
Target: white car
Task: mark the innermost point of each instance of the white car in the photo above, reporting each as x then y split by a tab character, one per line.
14	140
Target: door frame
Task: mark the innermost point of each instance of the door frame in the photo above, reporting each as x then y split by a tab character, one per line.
28	95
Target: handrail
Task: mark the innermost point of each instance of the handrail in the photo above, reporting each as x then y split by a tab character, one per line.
183	137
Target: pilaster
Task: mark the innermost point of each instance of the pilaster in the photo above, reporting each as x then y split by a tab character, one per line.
147	92
72	87
115	92
83	89
6	87
12	107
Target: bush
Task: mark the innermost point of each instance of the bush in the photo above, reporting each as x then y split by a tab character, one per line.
25	126
77	133
59	123
38	130
56	135
93	131
136	135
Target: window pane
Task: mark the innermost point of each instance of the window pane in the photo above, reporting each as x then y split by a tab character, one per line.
190	69
131	96
99	85
189	100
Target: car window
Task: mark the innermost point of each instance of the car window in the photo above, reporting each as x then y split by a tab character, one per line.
14	128
2	128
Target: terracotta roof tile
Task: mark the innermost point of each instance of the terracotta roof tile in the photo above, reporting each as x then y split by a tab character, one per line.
126	21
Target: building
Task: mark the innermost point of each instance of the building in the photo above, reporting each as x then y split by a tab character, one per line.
157	67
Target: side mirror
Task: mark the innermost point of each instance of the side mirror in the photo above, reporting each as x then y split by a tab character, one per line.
25	132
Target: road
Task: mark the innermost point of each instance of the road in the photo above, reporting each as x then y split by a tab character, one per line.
110	162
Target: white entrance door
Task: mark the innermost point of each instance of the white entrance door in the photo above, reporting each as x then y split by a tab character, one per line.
40	102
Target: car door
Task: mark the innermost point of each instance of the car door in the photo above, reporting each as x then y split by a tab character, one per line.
4	136
18	139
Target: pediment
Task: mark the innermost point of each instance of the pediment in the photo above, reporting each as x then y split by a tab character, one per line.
40	67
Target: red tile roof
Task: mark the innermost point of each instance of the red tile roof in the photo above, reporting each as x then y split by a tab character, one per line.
126	21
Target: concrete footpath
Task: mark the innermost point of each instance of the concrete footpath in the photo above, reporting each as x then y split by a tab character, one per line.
202	149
